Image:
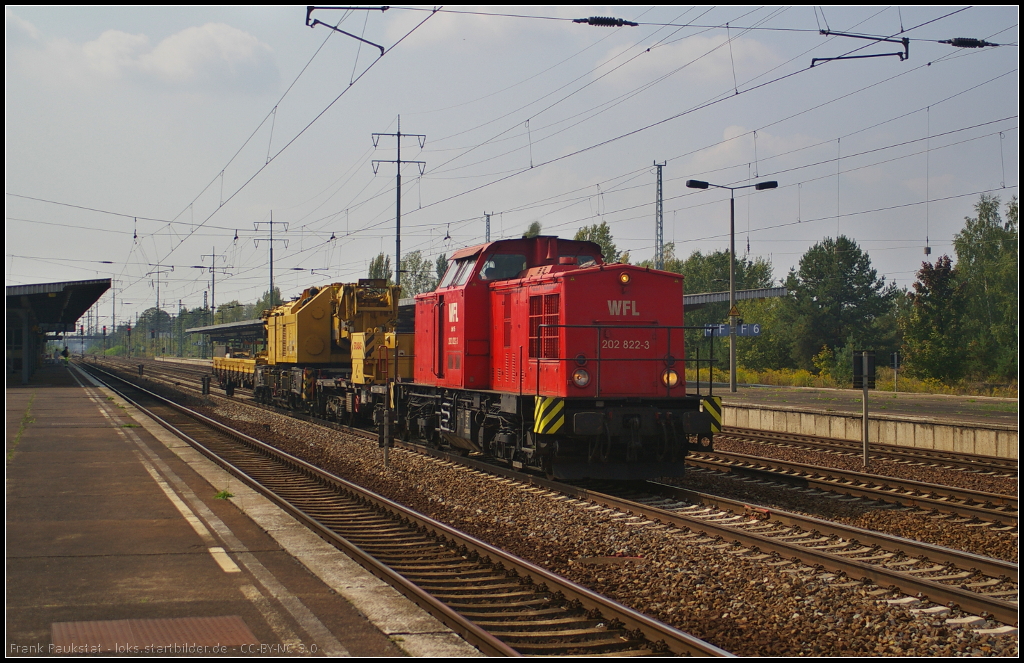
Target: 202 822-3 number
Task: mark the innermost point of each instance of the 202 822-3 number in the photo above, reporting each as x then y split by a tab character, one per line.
614	344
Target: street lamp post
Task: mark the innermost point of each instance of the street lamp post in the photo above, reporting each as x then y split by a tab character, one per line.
760	186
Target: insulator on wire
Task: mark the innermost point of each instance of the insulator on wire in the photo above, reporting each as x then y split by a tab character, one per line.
967	42
604	21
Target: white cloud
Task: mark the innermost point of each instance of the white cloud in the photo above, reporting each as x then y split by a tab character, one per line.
214	50
22	26
111	55
214	55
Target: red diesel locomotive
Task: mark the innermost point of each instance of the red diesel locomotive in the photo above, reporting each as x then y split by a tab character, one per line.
537	352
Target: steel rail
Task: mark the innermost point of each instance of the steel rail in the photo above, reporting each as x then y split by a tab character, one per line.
654	631
862	485
1003	611
973	602
987	565
944	459
487	643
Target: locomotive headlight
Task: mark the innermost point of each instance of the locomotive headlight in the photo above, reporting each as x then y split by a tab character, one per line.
670	378
580	377
624	278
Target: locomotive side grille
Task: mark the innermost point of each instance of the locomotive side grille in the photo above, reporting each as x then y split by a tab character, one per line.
544	311
507	304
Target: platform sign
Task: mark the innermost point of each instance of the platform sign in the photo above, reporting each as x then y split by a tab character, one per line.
747	329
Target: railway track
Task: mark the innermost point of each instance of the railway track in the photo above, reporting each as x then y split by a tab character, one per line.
502	604
977	584
958	502
941	575
988	465
992	507
920	573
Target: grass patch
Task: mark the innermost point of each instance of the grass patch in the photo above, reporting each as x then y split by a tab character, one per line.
223	495
999	407
788	377
130	426
26	420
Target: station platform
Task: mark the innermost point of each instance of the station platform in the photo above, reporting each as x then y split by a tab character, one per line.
969	424
117	543
934	407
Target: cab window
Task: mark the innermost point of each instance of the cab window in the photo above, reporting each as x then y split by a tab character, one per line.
500	266
458	272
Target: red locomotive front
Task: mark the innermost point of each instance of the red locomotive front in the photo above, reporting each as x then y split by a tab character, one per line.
599	331
537	352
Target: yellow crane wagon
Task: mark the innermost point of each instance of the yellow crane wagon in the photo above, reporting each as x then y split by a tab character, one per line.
331	351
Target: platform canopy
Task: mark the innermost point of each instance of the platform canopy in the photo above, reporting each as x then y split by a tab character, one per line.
55	307
694	302
245	330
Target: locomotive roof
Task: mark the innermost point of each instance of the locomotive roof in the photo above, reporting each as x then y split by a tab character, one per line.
470	251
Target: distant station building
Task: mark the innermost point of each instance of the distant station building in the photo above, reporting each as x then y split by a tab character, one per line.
42	312
694	302
247	336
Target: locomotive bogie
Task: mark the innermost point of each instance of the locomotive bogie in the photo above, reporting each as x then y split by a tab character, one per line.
565	439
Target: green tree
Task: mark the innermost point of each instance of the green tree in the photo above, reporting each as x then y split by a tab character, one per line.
770	350
153	329
932	334
602	236
986	251
380	268
267	301
709	272
533	230
417	274
186	345
440	266
837	295
233	311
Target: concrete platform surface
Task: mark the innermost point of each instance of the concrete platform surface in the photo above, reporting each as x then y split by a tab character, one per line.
116	542
933	408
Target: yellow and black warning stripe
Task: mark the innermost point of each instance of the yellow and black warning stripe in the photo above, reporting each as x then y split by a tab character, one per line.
713	406
548	415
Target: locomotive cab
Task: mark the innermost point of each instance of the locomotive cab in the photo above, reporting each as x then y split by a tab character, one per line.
454	322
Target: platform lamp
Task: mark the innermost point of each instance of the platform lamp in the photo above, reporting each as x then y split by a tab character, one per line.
760	186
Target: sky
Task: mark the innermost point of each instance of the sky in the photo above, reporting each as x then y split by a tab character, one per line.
148	144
